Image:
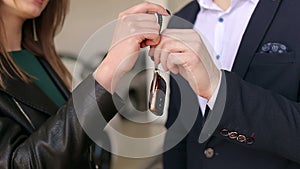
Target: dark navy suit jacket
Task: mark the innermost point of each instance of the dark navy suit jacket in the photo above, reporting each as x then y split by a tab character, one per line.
261	117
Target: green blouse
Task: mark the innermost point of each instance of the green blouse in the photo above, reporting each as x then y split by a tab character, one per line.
30	64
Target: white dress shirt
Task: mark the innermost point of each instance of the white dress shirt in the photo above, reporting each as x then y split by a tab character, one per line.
223	30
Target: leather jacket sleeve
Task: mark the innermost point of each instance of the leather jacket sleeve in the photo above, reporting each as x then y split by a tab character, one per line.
58	143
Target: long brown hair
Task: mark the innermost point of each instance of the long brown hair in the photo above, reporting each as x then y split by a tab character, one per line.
47	25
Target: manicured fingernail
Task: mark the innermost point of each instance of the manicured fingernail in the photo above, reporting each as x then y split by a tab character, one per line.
168	12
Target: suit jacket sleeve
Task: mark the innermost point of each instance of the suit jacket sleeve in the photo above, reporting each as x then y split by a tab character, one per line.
271	120
60	142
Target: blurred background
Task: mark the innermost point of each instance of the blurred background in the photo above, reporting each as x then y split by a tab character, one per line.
84	19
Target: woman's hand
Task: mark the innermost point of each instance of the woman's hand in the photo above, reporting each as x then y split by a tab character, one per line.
137	27
183	51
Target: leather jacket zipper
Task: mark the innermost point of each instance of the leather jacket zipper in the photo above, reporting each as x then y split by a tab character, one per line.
23	113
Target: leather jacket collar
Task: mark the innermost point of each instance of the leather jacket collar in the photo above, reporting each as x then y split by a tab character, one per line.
31	95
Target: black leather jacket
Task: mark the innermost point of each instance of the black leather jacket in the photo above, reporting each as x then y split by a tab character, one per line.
35	133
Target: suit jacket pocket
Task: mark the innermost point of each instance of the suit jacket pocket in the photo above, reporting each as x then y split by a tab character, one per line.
274	58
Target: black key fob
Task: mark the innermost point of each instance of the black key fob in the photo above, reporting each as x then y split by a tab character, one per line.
158	86
157	94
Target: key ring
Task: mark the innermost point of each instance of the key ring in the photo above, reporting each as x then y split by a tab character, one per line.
158	85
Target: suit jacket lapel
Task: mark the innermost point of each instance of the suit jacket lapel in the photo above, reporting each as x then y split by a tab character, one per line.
258	25
186	17
189	12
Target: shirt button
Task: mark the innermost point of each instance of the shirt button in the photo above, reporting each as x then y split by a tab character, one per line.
209	153
221	19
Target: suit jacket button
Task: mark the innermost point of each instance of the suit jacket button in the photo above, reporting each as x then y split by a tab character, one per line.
249	140
241	138
209	153
233	135
224	132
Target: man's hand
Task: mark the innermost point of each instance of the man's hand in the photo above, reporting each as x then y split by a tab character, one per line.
183	51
